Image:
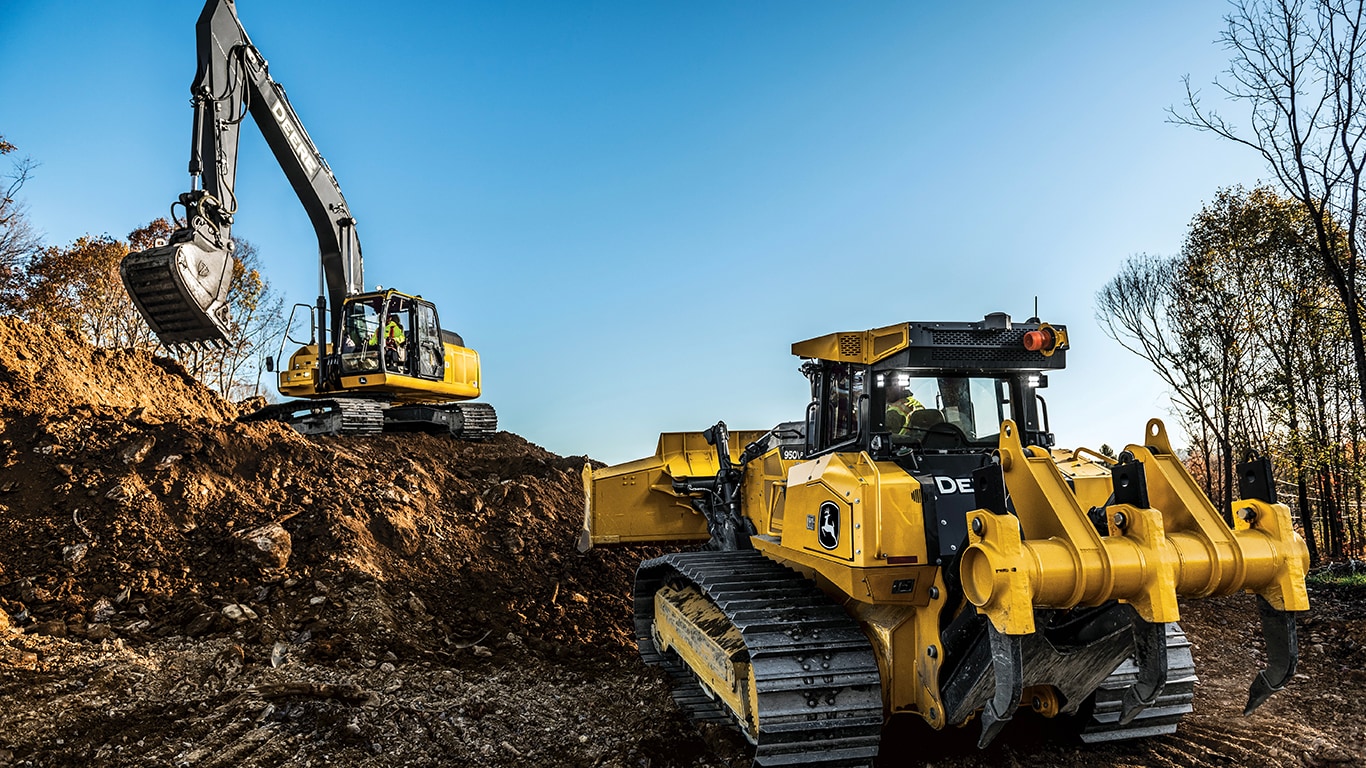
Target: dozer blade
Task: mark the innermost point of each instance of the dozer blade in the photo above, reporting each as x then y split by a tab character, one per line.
181	290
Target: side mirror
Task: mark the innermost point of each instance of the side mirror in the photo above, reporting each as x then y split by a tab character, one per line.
270	363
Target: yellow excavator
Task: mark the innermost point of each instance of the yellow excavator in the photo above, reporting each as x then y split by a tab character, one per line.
374	360
917	545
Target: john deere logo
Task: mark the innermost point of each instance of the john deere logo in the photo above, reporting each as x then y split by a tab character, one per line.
828	529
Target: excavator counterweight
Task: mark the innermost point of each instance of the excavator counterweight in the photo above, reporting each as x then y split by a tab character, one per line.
919	537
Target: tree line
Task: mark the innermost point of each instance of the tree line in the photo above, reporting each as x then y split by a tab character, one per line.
77	287
1258	326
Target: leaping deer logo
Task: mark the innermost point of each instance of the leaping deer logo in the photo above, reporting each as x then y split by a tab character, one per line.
829	533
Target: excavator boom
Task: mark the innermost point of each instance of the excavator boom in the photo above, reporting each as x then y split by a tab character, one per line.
181	287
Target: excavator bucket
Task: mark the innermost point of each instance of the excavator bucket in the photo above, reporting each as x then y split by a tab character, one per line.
181	289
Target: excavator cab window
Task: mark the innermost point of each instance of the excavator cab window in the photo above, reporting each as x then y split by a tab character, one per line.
397	343
431	356
360	336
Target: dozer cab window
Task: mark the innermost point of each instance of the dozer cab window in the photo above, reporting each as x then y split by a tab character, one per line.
844	387
360	334
940	412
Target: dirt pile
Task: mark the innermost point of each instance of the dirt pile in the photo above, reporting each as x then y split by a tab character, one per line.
145	528
180	588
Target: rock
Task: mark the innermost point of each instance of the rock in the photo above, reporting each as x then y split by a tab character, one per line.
238	612
278	654
54	628
103	610
5	623
269	546
200	625
416	605
136	451
99	632
387	668
480	650
74	553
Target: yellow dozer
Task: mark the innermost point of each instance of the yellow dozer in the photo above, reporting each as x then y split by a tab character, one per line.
916	545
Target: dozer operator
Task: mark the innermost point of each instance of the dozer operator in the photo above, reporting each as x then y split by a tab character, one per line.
181	288
950	564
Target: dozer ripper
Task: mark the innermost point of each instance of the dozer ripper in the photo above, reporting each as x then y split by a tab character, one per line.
917	545
374	361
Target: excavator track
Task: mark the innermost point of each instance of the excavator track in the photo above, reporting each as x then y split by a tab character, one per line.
467	421
831	717
343	416
1157	720
357	416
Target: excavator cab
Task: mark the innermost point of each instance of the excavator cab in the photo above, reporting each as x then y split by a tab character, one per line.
392	333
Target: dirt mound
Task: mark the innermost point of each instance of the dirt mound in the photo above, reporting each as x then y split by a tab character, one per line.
139	515
43	371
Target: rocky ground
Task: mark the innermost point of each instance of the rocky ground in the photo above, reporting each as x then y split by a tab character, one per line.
179	588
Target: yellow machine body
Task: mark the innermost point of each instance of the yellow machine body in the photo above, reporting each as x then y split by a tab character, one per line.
447	371
1046	553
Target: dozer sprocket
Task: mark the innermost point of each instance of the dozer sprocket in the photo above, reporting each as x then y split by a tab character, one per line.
816	684
1157	720
343	416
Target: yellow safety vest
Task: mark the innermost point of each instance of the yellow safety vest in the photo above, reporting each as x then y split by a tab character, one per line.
904	408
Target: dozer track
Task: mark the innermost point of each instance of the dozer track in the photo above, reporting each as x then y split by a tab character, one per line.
1157	720
816	684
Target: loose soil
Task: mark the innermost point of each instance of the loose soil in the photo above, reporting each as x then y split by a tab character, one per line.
183	589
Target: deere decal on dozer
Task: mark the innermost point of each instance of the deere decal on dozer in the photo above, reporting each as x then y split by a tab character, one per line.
916	545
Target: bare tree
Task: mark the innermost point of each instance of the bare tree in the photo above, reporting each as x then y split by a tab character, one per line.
1295	67
18	241
257	318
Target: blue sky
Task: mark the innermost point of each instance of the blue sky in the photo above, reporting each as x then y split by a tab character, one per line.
631	210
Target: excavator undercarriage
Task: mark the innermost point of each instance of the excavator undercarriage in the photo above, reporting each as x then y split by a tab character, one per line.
917	546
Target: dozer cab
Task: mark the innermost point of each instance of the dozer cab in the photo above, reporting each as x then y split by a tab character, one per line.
356	373
917	545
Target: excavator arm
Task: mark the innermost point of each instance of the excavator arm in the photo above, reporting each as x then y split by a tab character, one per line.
181	288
